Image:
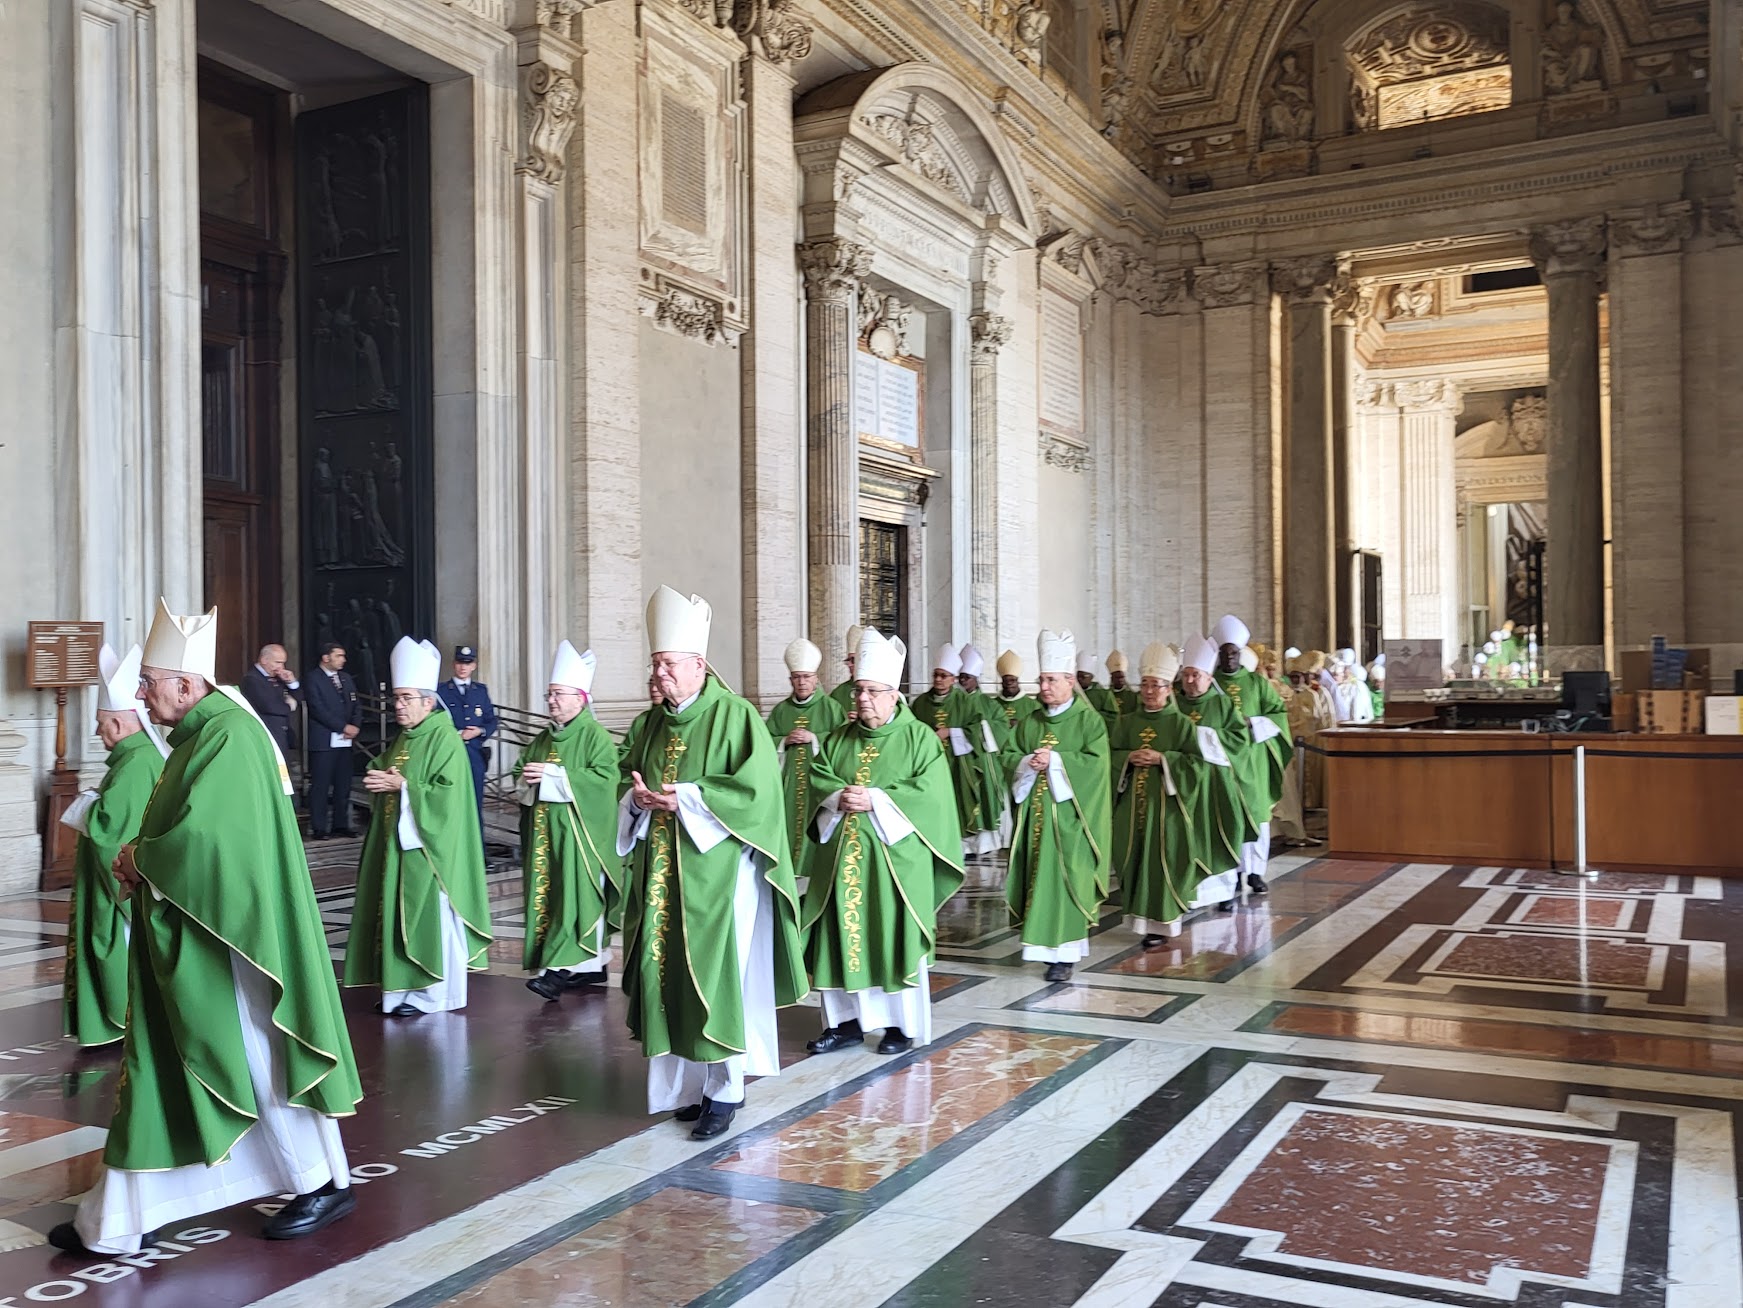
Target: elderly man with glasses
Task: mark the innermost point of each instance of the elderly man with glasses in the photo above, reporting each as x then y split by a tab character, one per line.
422	917
567	778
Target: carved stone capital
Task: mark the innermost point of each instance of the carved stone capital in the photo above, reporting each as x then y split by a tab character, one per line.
1306	280
1565	248
1426	394
833	269
988	333
1222	286
1352	300
1722	220
559	15
771	29
1654	229
549	99
1057	452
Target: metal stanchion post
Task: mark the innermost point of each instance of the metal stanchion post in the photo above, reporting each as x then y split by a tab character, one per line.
1580	869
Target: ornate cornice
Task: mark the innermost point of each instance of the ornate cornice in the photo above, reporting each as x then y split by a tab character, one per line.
1426	395
1654	229
1565	248
770	28
1222	286
833	269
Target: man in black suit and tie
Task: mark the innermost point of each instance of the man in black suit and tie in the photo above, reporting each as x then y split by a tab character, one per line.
271	690
334	719
469	705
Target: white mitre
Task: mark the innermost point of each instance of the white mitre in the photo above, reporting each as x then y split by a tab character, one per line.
1058	652
854	635
1159	661
1010	664
879	660
1230	630
573	670
677	625
1346	655
973	661
1116	662
1086	662
1249	660
802	656
415	665
1293	652
1200	653
118	692
947	660
178	644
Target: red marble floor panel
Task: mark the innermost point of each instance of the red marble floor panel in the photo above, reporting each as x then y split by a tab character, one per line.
1670	1053
1513	956
1211	945
1444	1200
866	1138
1347	870
1589	912
648	1254
1643	883
25	1128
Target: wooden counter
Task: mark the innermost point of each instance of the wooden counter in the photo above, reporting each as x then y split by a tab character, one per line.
1507	797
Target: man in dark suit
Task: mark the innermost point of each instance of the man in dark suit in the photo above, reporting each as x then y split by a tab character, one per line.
468	703
334	719
271	689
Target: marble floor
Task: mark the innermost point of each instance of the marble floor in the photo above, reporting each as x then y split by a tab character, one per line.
1377	1087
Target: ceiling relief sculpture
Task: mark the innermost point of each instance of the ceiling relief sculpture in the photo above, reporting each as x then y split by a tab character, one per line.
1208	93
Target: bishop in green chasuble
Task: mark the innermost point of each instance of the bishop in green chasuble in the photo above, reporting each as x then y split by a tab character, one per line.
1225	739
1177	816
710	925
94	998
236	1061
885	852
798	725
1062	837
1264	766
1100	698
961	723
422	915
1011	700
566	779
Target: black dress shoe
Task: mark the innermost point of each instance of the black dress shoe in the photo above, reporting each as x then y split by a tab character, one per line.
344	833
690	1112
1152	943
837	1037
581	980
308	1213
894	1042
1059	971
405	1010
715	1120
1227	906
1256	884
317	836
65	1237
548	987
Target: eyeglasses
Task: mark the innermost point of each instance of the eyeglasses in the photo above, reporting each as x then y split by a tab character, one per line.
562	694
146	683
411	697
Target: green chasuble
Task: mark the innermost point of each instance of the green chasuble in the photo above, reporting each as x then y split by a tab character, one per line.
396	926
1125	699
95	1002
843	697
680	943
819	715
1016	708
1164	845
1061	851
1261	771
1217	711
1102	700
567	847
978	801
222	869
871	909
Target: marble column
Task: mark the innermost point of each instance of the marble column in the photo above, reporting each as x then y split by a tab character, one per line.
550	96
1570	256
1309	545
774	592
1646	421
1430	562
833	269
1346	305
988	334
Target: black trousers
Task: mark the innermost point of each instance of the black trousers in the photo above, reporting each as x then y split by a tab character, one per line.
329	789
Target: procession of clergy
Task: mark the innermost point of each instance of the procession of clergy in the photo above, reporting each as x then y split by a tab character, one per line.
195	939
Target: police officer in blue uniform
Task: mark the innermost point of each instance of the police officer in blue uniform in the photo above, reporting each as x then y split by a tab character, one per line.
468	703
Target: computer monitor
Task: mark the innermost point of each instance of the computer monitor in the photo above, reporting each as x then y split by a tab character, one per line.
1586	693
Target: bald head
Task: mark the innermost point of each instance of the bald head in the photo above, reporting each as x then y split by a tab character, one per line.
271	659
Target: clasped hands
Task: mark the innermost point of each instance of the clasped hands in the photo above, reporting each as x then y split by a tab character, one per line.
663	800
1145	758
378	782
855	799
800	736
533	773
1042	758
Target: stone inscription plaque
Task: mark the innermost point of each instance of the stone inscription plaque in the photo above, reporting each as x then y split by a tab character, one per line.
1061	362
886	400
